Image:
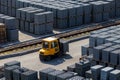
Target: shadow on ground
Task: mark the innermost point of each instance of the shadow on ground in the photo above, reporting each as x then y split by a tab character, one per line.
58	60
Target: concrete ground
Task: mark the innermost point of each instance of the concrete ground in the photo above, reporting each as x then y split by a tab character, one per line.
24	36
33	62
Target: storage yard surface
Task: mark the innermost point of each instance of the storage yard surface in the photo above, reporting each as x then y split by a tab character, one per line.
27	22
23	36
32	61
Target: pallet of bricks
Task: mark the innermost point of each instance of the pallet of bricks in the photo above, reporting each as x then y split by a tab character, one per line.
2	33
10	31
96	72
69	13
34	20
14	71
99	72
104	46
9	7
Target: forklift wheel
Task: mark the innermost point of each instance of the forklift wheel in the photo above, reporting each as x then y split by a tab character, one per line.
48	58
59	54
45	58
41	57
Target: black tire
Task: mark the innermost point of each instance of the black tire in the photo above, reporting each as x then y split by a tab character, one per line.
48	58
59	54
42	58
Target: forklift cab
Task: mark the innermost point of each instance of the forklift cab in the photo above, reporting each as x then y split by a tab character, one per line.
50	46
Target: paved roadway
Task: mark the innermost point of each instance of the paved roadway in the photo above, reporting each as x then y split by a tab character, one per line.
32	61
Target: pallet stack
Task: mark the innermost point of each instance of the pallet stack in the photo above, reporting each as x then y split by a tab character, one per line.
112	8
117	8
105	45
75	13
114	75
13	71
106	11
9	7
97	11
96	72
76	78
35	20
67	14
80	67
52	74
11	30
104	73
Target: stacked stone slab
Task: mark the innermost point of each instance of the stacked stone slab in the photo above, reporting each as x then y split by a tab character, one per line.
66	13
43	74
76	13
105	45
88	74
96	72
115	75
11	30
52	74
80	67
117	7
112	11
17	73
106	11
97	55
35	20
97	11
101	11
13	71
8	64
104	73
9	7
9	72
76	78
66	75
86	50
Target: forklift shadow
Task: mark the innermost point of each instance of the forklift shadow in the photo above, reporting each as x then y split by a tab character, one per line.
58	60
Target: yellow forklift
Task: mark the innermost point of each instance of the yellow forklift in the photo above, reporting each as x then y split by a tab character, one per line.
52	47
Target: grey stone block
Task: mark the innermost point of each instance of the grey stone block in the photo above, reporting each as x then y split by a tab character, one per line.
66	75
71	68
43	74
96	72
29	75
53	75
105	73
17	73
114	75
9	72
8	64
76	78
